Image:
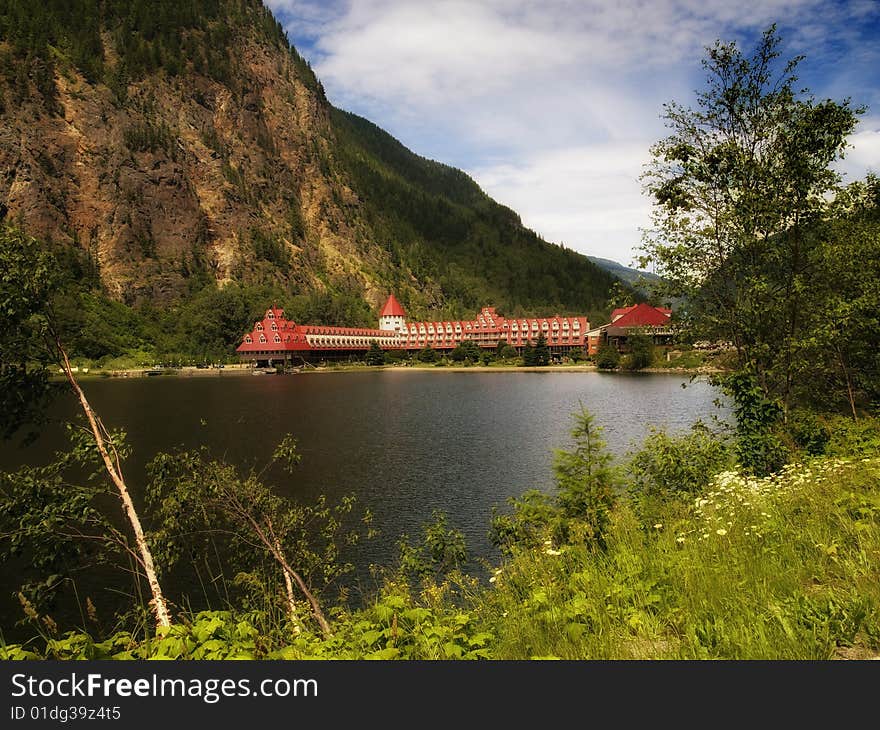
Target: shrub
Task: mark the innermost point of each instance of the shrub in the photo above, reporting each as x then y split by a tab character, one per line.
671	465
641	352
808	433
428	354
608	358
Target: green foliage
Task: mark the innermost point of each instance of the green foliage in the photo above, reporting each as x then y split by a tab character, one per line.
57	517
375	355
541	352
835	359
607	358
442	228
537	355
441	550
759	448
860	439
809	434
579	511
467	350
742	184
202	508
28	280
508	352
428	354
269	248
641	352
674	466
150	137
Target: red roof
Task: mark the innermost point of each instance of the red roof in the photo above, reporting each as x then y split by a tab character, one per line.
641	315
392	308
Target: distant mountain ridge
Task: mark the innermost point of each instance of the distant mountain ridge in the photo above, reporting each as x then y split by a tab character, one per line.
183	145
631	276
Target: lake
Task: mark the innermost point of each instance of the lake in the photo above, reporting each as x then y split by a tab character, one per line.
406	442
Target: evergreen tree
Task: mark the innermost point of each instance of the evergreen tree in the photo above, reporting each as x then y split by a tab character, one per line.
541	353
375	355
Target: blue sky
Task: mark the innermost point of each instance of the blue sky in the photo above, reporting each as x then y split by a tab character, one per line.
551	105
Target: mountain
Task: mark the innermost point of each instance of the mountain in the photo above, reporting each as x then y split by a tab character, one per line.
178	146
633	277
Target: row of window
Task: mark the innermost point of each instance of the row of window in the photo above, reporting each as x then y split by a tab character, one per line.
515	327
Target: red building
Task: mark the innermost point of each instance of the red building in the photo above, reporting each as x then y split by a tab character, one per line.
276	338
637	319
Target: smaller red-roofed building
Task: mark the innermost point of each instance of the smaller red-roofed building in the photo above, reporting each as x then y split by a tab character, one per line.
656	322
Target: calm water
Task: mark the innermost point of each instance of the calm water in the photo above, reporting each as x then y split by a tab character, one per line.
405	442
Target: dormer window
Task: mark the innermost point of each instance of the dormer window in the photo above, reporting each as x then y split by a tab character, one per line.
270	314
260	326
274	327
248	339
277	338
262	338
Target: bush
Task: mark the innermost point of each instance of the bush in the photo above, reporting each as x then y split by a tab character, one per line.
759	448
428	354
672	465
641	352
854	438
608	358
808	433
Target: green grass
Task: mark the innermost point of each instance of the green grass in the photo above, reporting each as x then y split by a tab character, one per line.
782	568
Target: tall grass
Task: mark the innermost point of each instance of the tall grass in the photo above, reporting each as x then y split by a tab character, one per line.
780	568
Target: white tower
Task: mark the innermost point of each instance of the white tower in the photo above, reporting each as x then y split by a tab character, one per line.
392	318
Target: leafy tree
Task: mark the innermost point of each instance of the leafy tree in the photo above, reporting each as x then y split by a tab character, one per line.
50	514
428	354
607	358
759	448
28	278
836	359
206	507
508	352
641	351
26	294
467	350
737	185
375	355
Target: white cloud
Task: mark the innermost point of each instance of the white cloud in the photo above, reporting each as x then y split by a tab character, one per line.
588	198
551	105
864	154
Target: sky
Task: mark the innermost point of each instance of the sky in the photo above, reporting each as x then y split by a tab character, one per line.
551	106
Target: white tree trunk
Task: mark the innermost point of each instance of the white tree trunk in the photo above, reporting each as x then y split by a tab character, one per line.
158	603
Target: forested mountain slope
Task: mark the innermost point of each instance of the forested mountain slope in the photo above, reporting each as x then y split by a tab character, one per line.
180	146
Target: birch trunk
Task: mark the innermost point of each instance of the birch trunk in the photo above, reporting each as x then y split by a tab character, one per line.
158	603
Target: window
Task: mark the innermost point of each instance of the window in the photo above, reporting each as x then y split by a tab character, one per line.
248	339
262	338
277	338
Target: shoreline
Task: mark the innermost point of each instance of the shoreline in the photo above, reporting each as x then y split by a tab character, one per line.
243	370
